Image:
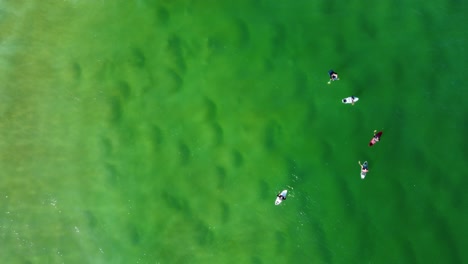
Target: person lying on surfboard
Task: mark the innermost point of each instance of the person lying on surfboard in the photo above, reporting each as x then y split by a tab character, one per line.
350	100
376	138
281	196
333	76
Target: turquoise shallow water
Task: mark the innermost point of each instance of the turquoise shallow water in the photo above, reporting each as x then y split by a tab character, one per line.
161	131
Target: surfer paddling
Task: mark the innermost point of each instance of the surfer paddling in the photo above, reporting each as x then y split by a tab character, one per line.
364	169
281	197
350	100
376	138
333	76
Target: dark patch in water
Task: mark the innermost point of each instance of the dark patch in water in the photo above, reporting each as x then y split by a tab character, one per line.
439	59
418	158
278	41
328	7
428	22
115	108
106	146
90	219
348	203
442	232
459	199
400	198
137	58
273	133
311	115
216	44
24	261
258	4
211	109
264	189
111	174
301	85
438	182
175	50
342	46
134	235
397	70
368	27
221	172
219	134
280	238
243	31
204	235
174	202
76	70
127	135
366	241
123	89
225	212
237	158
162	15
322	245
326	151
408	251
268	65
184	154
430	89
256	260
156	136
174	81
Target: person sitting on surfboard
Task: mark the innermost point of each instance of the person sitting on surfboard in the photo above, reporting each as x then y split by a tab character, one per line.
364	168
333	76
376	138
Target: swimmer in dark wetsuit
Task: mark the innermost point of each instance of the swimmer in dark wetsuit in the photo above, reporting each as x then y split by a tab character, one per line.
333	76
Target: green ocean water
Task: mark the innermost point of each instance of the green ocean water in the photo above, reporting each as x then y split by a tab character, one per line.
161	131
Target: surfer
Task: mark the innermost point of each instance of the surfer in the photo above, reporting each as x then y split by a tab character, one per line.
333	76
350	99
364	168
376	138
281	196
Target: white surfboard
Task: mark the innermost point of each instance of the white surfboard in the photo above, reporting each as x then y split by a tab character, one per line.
349	100
278	199
363	175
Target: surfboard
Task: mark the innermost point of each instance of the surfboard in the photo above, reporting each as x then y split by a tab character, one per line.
349	100
378	135
278	199
363	175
